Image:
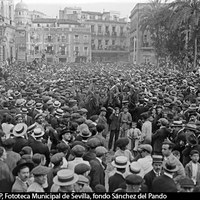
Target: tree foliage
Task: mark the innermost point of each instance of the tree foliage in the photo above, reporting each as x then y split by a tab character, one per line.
174	29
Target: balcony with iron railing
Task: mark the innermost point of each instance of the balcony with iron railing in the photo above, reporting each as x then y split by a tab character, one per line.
62	53
81	29
108	48
114	33
49	52
47	40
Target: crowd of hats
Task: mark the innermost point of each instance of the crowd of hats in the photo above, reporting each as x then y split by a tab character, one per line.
71	94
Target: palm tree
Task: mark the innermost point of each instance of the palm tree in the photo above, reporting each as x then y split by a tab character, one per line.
151	19
187	13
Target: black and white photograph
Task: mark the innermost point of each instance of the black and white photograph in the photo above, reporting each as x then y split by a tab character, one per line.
99	99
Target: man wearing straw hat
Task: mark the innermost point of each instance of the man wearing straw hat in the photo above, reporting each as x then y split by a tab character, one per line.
120	163
37	145
19	132
64	181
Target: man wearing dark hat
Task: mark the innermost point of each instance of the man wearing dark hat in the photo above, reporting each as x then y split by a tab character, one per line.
100	129
92	143
66	136
6	178
178	137
82	169
97	173
22	174
146	160
28	120
114	128
186	184
57	161
160	135
165	182
77	151
12	157
122	143
125	121
133	183
192	169
167	148
192	144
40	179
155	172
103	121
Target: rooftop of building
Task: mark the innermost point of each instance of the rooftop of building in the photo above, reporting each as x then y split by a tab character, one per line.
92	13
21	6
137	7
54	20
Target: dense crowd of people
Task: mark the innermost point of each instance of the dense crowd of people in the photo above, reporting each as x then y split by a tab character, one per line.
97	127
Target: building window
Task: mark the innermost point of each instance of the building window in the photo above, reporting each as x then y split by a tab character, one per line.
76	37
62	50
145	42
74	12
10	12
49	49
99	44
106	42
38	25
121	30
85	50
99	29
113	42
36	49
49	38
113	29
63	38
115	17
92	28
19	13
85	37
76	51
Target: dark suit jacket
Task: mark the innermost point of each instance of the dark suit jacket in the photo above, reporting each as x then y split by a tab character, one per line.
97	173
158	138
29	120
6	178
115	122
164	183
148	178
39	147
115	181
19	144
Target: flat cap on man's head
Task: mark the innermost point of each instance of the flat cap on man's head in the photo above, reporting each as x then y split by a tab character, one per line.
40	170
133	179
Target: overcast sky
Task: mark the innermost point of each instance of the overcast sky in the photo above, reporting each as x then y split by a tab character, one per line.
52	7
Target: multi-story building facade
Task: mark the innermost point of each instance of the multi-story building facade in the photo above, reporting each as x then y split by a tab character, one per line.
23	23
141	49
60	40
57	40
109	33
7	30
